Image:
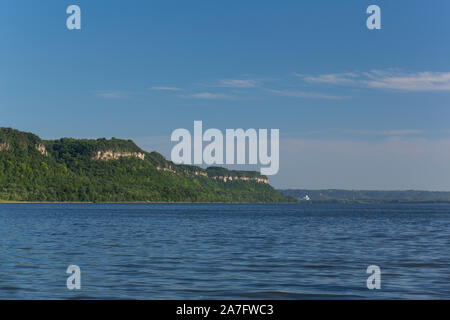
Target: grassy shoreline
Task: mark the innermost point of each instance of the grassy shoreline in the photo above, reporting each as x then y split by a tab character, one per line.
368	202
137	202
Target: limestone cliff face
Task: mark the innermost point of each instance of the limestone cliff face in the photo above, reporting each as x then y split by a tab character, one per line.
231	178
200	173
114	155
41	148
167	169
186	172
195	173
4	146
222	178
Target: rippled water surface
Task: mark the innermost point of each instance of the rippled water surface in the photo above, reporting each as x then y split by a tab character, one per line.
224	251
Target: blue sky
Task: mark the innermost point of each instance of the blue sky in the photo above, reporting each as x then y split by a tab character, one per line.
355	108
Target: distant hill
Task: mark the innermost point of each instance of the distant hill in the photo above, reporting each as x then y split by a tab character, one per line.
115	170
334	195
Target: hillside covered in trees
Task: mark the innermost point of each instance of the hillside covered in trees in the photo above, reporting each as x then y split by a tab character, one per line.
32	169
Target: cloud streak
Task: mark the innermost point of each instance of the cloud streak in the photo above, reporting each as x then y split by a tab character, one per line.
399	132
422	81
208	96
238	83
165	89
336	78
112	94
393	80
304	94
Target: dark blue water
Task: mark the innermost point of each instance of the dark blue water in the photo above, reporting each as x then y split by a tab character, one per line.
220	251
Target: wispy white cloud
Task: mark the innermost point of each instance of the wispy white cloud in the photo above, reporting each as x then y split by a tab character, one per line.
304	94
395	132
165	88
333	78
208	95
394	80
421	81
238	83
112	94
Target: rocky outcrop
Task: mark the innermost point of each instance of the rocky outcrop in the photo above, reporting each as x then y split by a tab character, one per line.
114	155
4	146
166	169
231	178
221	178
196	173
200	173
41	148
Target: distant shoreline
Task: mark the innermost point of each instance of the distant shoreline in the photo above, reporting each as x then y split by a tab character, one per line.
399	201
301	202
368	196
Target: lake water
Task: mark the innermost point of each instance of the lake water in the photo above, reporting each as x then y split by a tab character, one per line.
224	251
